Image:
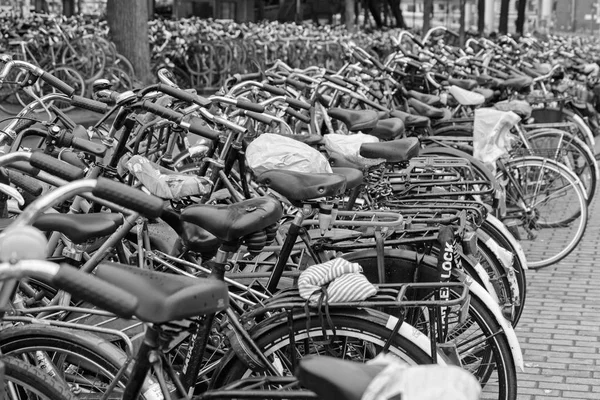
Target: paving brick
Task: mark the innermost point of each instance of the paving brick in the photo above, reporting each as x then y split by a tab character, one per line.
562	311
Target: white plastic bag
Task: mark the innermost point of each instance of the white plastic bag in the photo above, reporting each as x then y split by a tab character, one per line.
420	382
491	134
272	151
348	146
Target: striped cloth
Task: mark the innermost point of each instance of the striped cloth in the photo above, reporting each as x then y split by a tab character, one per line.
344	279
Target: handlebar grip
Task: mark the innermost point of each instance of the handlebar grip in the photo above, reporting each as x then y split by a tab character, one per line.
298	115
161	111
297	103
92	289
55	167
368	72
71	158
337	81
418	42
70	140
295	83
248	77
199	127
89	104
439	76
90	147
250	106
25	167
413	64
183	95
378	63
259	117
126	196
274	89
24	124
57	84
27	183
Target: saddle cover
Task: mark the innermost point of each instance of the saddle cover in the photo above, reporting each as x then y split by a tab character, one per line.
491	134
271	151
420	382
348	147
166	185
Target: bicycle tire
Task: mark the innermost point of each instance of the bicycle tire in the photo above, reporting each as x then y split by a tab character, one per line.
22	378
87	363
573	153
346	326
86	56
569	217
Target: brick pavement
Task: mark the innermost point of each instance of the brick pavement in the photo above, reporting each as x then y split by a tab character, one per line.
560	328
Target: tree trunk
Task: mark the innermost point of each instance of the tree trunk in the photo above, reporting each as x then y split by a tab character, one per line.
128	23
521	7
461	29
349	16
68	8
395	6
374	8
480	16
427	14
504	6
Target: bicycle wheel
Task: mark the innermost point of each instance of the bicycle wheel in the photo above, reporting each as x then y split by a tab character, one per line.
570	151
23	381
354	339
86	363
480	343
86	56
119	79
545	201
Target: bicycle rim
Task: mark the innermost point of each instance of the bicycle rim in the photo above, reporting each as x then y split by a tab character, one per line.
551	216
570	151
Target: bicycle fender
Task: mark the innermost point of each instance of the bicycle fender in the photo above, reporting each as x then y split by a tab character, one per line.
514	242
506	265
485	279
586	129
389	321
478	291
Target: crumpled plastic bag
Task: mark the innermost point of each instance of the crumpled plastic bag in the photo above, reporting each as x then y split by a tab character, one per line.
491	134
344	279
271	151
348	147
420	382
164	185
